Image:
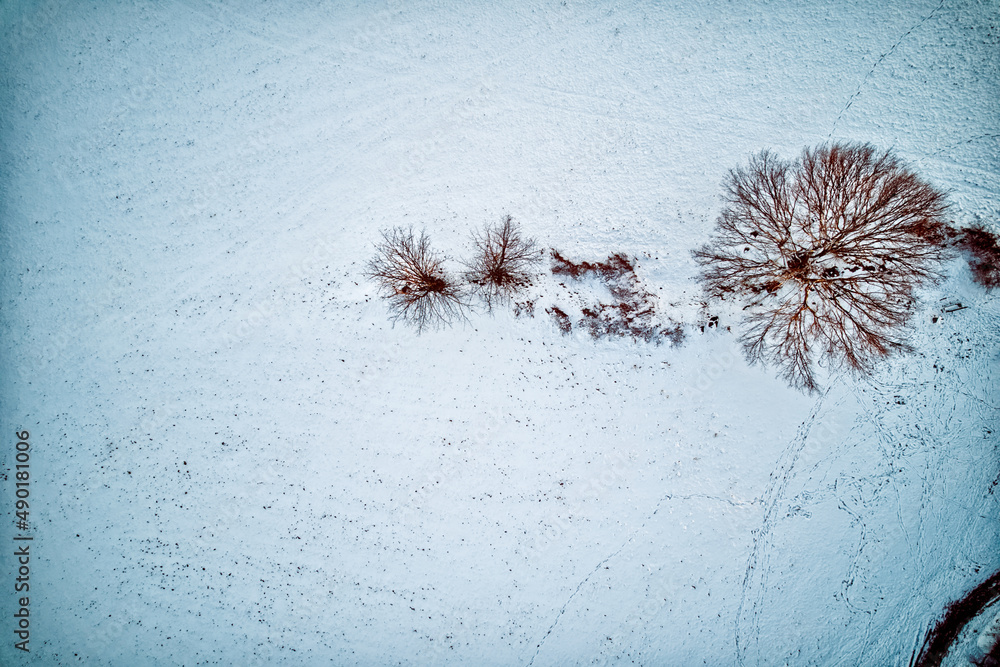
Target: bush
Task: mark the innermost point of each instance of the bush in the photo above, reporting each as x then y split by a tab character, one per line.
983	250
502	264
411	276
561	318
826	252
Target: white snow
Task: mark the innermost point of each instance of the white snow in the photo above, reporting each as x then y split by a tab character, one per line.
237	459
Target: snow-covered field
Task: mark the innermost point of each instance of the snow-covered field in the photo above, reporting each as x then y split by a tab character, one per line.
238	460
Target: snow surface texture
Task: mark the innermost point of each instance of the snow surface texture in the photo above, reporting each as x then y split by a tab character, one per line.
238	460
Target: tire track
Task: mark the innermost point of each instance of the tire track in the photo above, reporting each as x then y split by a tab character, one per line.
295	46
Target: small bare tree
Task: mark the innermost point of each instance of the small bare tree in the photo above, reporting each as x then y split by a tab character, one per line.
502	263
826	252
412	277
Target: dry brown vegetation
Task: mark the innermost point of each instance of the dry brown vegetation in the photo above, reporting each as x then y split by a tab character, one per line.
632	312
561	318
826	252
411	276
983	250
941	638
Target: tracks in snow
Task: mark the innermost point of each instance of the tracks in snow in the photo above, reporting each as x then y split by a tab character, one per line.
878	62
631	537
747	615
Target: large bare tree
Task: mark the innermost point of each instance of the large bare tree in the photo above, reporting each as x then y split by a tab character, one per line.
826	253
